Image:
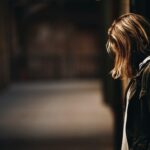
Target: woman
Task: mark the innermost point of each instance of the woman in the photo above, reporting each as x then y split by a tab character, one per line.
129	41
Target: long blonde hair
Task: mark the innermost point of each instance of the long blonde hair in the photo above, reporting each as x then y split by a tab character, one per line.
128	39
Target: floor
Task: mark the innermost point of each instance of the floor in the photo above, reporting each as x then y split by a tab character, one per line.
64	115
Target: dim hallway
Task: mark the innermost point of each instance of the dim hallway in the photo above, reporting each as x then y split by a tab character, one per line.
64	115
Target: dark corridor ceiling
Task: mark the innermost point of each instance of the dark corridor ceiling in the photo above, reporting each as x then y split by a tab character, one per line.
80	11
57	2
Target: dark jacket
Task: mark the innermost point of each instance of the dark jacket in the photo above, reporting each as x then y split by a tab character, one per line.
138	120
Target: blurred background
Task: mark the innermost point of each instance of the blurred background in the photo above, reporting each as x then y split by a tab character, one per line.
56	92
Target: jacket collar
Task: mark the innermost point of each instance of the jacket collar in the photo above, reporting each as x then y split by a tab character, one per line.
142	66
144	62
